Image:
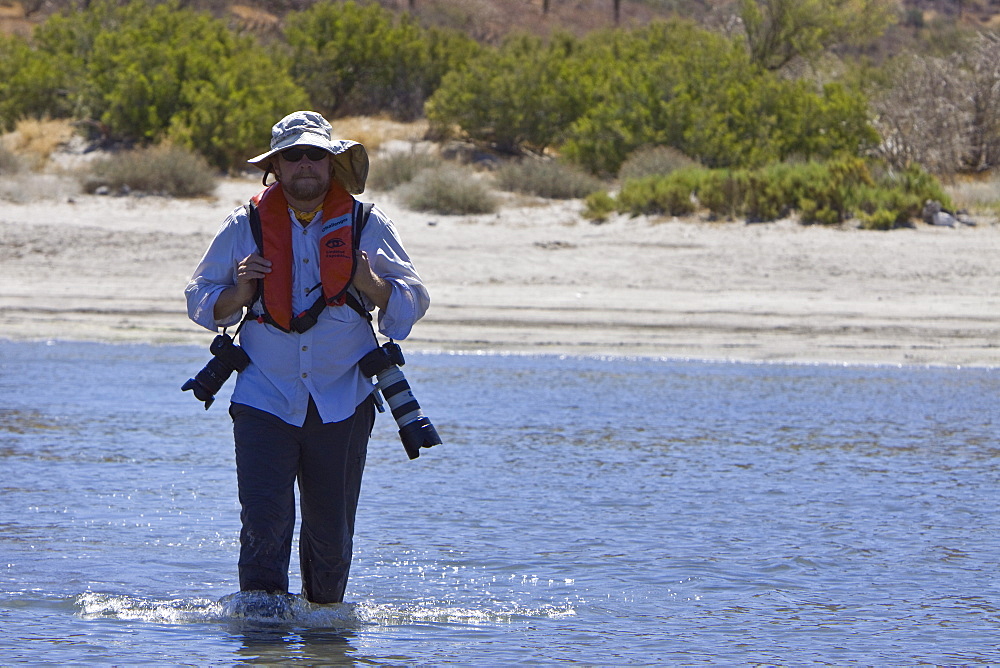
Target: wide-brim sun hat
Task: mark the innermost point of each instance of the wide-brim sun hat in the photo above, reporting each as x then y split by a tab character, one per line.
308	128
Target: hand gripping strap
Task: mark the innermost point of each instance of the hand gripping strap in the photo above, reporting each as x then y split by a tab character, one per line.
305	320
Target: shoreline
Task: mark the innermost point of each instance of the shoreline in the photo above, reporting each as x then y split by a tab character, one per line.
409	349
536	278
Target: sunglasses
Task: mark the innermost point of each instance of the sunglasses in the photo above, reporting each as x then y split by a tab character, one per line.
295	154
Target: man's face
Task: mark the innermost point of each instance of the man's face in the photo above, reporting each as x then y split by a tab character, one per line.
304	173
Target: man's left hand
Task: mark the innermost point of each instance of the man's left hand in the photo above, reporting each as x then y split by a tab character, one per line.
373	286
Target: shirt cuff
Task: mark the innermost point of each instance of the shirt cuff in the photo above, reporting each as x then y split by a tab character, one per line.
204	313
399	315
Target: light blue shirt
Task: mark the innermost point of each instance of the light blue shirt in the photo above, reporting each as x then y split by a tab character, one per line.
287	368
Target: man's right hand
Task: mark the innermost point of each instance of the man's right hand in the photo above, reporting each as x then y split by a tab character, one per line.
251	268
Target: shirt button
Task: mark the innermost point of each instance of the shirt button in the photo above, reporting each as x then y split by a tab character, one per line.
305	348
306	260
305	375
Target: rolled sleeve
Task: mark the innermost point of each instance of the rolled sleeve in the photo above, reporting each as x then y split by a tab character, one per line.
409	298
217	271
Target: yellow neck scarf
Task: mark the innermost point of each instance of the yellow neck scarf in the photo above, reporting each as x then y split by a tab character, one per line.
305	217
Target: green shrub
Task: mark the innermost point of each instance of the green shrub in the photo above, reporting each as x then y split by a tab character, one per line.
767	194
449	190
810	211
825	193
165	170
636	196
362	59
884	197
32	84
630	80
393	170
599	205
153	72
521	96
653	161
671	195
686	87
880	219
723	192
546	178
920	183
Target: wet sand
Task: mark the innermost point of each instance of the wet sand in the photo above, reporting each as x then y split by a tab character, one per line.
536	277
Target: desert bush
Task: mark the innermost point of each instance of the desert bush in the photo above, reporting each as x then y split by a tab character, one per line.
653	161
166	170
942	112
364	59
35	140
917	181
630	79
981	193
832	186
32	83
36	187
723	191
923	117
980	63
883	207
823	193
767	195
449	190
699	92
899	192
184	76
150	72
598	206
672	195
781	31
377	131
546	178
10	162
521	96
880	219
395	169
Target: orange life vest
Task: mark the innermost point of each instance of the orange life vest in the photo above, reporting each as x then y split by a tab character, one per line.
336	258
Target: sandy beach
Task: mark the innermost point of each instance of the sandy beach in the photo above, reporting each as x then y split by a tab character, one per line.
538	278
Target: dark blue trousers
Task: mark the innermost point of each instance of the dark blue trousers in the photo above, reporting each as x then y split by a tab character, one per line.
327	460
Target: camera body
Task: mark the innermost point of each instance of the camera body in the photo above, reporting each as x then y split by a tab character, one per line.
227	357
415	429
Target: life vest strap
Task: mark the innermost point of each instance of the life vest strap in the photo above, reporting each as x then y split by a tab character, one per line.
307	319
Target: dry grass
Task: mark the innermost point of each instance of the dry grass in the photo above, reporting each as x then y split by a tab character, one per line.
980	194
255	20
546	178
34	141
28	187
373	132
449	190
14	20
167	170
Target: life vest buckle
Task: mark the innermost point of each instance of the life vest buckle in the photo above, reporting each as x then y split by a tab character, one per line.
303	322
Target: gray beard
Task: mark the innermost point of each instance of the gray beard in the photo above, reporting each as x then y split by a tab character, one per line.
304	190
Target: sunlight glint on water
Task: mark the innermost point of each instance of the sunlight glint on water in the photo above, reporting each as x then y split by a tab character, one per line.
604	511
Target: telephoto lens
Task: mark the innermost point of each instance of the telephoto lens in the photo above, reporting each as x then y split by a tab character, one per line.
415	428
226	358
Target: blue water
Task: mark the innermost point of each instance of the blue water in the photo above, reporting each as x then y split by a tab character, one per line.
603	511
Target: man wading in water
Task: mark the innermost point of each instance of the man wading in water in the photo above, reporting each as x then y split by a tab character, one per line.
302	410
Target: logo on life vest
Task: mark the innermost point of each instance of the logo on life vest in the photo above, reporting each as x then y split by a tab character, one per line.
336	237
